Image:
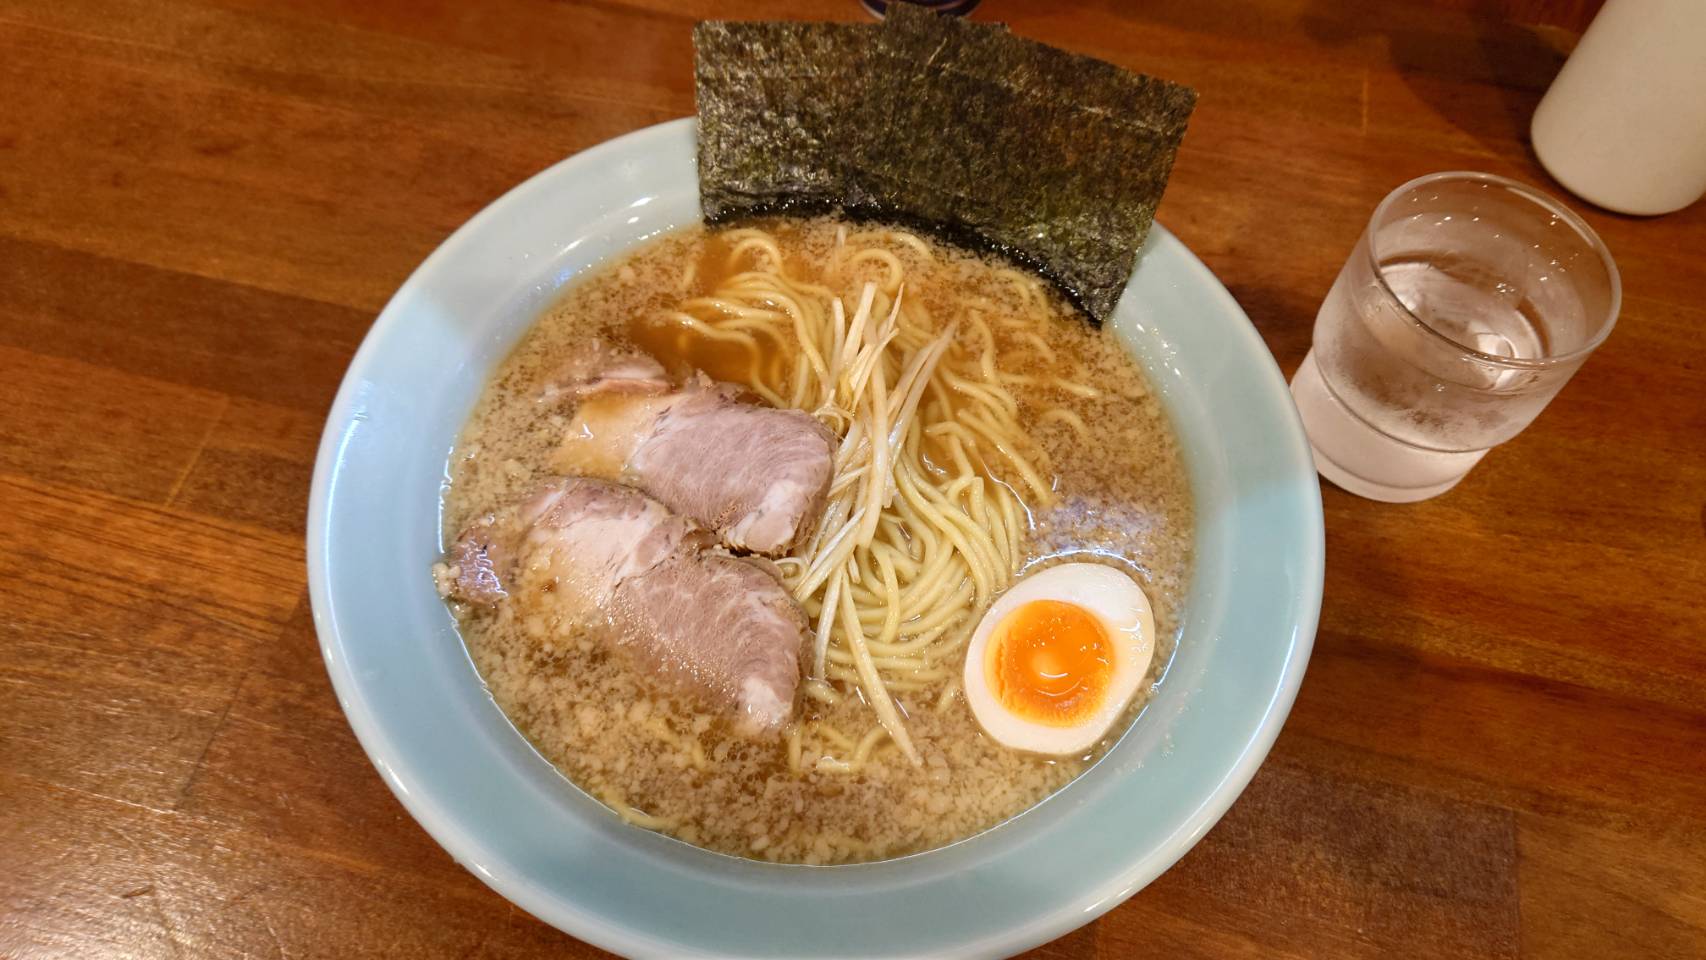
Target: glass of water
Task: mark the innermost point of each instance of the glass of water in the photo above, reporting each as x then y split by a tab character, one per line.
1469	301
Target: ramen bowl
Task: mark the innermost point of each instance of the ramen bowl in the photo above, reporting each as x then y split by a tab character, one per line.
474	783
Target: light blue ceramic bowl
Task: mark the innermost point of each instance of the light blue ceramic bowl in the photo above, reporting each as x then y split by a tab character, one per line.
473	782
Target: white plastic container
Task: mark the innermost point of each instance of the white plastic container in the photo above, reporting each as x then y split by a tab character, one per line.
1624	124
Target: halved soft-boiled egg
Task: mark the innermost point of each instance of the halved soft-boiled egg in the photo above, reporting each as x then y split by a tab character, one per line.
1057	658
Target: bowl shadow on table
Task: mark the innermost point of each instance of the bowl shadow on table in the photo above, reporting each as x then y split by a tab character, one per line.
1373	609
1082	942
1284	317
1517	61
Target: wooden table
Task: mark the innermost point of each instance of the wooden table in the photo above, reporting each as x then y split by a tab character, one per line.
1500	748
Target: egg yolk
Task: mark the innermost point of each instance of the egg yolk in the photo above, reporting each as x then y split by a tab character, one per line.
1049	662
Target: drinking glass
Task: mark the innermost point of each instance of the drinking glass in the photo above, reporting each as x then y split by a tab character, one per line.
1469	301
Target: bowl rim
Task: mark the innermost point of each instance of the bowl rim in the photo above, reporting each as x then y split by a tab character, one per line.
467	847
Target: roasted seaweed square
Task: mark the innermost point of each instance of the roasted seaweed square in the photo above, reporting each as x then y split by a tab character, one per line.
1056	159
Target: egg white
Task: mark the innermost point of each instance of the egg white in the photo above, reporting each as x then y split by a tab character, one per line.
1123	610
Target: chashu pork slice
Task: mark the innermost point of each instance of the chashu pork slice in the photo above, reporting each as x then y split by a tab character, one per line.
756	475
599	369
601	556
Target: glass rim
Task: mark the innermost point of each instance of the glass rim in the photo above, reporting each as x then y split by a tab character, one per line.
1614	305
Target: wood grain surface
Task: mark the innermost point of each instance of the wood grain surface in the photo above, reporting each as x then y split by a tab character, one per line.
1500	747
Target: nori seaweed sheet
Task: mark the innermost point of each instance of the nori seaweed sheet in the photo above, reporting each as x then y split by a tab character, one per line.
1055	159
